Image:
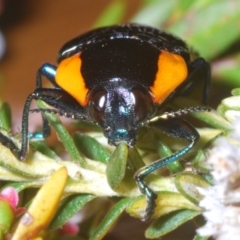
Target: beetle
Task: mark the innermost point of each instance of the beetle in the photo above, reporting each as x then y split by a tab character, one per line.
119	77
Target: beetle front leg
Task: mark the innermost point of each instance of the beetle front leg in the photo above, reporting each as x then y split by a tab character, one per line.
48	71
25	123
174	127
22	152
68	107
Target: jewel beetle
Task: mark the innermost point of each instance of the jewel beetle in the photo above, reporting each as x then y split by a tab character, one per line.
119	77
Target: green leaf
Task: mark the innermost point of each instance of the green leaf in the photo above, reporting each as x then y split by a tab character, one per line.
69	208
212	118
230	108
146	140
36	168
226	70
5	116
197	237
135	160
169	222
112	14
117	165
165	151
199	162
207	23
63	135
155	12
19	186
7	216
236	92
187	184
91	148
110	218
43	148
13	169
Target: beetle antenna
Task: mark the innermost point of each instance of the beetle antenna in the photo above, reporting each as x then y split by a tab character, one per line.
180	112
54	111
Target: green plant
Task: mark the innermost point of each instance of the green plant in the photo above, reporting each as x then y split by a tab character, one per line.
97	171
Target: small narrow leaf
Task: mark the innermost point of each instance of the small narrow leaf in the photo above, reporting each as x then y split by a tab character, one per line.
166	202
212	118
165	151
229	107
236	92
197	237
169	222
91	148
43	148
7	216
70	207
19	186
110	218
5	116
39	166
187	184
199	162
63	135
135	159
117	165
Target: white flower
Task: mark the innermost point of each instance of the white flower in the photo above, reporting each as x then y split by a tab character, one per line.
222	201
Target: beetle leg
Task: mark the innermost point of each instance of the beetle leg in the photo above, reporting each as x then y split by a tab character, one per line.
48	71
175	127
199	71
7	142
64	103
20	153
68	106
24	146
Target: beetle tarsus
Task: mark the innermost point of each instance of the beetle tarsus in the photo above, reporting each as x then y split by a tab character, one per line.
151	196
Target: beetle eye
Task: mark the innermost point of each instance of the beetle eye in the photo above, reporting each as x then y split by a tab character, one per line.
97	104
143	105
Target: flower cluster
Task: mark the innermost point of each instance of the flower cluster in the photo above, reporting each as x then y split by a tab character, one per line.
221	201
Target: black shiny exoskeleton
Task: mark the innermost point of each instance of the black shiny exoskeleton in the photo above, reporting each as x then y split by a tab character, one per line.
119	77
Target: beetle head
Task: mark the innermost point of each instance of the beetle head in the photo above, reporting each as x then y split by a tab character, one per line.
120	108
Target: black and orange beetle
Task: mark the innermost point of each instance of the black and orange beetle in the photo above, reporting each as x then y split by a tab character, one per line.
118	77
